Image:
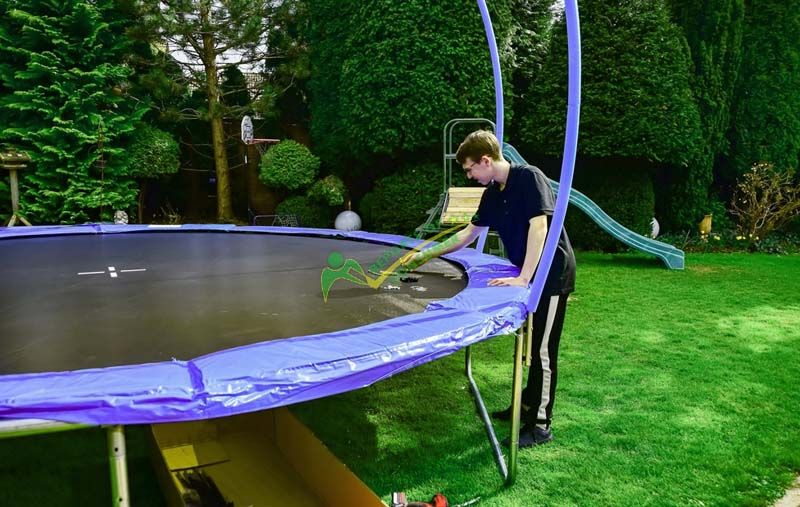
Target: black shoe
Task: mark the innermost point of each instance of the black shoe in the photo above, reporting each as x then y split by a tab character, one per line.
502	415
530	436
505	415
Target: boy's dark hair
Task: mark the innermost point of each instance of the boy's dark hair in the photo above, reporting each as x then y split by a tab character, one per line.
478	144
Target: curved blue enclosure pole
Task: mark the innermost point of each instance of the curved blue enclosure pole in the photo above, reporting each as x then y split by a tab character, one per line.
498	80
509	471
570	141
570	150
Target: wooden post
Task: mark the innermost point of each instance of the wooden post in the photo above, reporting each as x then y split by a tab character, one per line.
14	161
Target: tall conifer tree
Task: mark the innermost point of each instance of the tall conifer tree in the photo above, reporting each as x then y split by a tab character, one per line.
636	100
210	37
713	31
62	98
766	114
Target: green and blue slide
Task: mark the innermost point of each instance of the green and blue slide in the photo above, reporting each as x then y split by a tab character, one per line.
671	256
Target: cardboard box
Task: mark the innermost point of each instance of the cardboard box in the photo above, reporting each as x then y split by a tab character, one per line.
264	458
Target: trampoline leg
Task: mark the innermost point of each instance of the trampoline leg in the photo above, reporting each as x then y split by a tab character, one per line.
119	467
498	453
522	357
522	346
508	472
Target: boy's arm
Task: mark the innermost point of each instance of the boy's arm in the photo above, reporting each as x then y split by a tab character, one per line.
455	242
537	233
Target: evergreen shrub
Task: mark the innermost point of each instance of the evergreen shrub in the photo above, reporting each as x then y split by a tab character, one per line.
636	101
626	196
152	153
329	190
399	202
765	115
387	75
309	212
289	165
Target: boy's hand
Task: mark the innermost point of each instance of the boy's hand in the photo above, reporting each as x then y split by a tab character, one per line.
412	262
514	281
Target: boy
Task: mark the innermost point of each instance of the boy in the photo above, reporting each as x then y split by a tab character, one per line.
518	203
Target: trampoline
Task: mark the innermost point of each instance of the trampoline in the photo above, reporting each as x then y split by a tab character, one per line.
107	324
124	376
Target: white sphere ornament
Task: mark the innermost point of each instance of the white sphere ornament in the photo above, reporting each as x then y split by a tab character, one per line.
347	221
654	228
120	218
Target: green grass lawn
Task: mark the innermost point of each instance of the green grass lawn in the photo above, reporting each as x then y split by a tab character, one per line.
675	388
71	468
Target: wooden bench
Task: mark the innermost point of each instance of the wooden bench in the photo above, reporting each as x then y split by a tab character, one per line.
461	204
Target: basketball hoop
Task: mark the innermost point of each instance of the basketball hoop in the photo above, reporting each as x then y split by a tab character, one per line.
248	139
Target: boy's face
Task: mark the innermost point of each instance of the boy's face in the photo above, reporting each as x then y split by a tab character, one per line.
480	170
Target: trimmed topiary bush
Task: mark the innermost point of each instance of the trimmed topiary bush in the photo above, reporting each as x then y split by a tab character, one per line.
329	190
626	196
289	165
399	202
152	153
309	212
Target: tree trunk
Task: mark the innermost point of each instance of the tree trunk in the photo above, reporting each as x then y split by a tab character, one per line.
224	207
261	200
142	190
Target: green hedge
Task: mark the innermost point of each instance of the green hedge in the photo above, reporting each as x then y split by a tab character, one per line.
289	165
398	203
636	101
386	75
626	196
309	212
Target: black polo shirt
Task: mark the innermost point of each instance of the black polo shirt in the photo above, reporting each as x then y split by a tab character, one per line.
527	194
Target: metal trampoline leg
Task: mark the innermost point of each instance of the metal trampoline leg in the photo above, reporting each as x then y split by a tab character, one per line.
508	472
516	405
119	467
498	453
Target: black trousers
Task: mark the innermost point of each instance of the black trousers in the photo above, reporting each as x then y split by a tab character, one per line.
540	393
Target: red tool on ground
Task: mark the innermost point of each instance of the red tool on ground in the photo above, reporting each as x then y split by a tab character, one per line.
438	500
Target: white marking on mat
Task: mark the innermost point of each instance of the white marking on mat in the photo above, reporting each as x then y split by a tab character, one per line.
112	271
